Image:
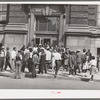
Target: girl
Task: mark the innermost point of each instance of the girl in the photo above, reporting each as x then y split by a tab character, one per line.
92	63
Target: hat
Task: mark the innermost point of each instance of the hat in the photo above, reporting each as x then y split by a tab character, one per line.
7	48
79	50
40	44
3	47
47	48
30	47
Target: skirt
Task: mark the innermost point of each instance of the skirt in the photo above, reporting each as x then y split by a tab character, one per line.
66	62
93	70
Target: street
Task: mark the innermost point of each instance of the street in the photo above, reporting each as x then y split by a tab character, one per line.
46	83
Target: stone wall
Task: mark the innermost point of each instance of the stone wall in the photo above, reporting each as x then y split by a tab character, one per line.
81	42
17	13
78	42
14	40
83	14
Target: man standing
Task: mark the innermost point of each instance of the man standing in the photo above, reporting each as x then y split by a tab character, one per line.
30	61
13	56
2	56
79	60
89	55
7	63
48	58
42	61
57	57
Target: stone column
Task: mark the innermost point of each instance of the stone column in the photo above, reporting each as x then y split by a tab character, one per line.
98	16
32	28
28	34
61	28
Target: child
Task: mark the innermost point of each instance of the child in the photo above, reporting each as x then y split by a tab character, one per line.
92	63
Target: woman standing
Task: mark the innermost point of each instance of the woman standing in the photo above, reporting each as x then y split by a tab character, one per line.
18	65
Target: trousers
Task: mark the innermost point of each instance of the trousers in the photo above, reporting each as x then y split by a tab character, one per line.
1	63
42	67
58	64
7	63
18	69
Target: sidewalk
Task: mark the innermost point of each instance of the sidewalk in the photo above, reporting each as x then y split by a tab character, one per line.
50	75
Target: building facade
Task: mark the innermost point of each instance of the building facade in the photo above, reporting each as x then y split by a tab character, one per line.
75	26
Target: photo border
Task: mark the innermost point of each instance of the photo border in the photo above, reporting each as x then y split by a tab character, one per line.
27	94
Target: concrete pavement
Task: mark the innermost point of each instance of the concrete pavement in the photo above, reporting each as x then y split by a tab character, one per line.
50	75
47	81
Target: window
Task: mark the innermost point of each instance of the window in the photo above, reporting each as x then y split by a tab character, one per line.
46	23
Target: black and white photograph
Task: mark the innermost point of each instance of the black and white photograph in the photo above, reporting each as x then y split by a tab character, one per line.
50	46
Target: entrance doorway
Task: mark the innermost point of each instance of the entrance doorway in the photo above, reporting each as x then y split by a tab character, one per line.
37	41
46	41
98	51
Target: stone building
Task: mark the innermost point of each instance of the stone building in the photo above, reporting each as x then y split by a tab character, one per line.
75	26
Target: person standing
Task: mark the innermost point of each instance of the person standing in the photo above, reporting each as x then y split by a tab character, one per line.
57	57
2	57
93	69
89	55
48	58
35	49
18	65
35	64
53	61
98	62
42	61
30	62
79	61
8	56
74	63
13	57
84	61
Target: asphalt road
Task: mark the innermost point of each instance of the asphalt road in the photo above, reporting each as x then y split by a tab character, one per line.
42	83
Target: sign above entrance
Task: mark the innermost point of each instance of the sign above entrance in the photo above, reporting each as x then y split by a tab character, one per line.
47	11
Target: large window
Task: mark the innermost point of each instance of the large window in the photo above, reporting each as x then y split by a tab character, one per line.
47	23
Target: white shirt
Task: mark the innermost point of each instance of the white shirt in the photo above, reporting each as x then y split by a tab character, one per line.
31	54
93	62
48	55
26	51
57	56
2	54
35	49
13	54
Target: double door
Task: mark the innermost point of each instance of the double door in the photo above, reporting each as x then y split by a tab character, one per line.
43	41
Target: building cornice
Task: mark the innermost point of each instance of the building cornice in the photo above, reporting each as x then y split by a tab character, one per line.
46	33
13	28
83	31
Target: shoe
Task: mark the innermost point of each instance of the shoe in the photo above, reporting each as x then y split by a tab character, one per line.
14	77
92	81
70	75
19	77
55	76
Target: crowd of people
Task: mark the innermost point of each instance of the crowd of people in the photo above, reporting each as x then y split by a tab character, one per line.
45	57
